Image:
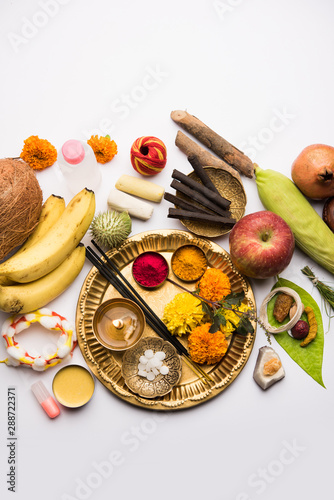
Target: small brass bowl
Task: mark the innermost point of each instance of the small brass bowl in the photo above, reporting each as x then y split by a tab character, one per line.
118	324
156	267
162	384
73	386
195	275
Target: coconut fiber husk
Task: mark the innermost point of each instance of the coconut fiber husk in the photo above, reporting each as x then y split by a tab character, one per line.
21	201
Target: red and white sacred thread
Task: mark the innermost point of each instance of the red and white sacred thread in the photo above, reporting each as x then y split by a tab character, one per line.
148	155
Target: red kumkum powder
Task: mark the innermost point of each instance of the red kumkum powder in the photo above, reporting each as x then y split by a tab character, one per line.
150	269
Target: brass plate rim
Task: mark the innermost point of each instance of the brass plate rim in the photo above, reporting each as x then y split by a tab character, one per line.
224	373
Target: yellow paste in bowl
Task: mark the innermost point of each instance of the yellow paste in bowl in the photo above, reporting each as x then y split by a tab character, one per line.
73	386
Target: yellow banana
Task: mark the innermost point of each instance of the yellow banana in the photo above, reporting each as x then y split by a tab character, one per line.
57	244
27	297
52	209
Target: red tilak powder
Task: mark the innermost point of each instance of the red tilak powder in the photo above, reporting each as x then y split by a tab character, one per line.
150	269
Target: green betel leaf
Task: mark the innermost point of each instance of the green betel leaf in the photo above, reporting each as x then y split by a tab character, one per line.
309	358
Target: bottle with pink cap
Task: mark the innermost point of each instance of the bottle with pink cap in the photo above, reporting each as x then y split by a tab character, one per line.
78	164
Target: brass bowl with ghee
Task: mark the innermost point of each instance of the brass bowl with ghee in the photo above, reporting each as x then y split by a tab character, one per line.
118	324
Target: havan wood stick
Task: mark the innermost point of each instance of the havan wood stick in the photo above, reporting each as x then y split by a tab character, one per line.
233	156
194	195
186	205
206	159
202	174
175	213
196	186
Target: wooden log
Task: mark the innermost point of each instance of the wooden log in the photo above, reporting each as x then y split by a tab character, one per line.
205	158
194	195
175	213
196	186
215	142
185	204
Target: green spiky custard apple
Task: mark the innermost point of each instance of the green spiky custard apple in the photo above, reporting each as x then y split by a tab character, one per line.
111	228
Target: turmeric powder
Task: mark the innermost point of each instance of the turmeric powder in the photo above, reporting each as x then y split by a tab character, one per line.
189	263
311	319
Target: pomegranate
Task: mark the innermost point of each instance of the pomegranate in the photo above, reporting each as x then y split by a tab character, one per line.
313	171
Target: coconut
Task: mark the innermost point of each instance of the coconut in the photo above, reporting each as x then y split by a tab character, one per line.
21	201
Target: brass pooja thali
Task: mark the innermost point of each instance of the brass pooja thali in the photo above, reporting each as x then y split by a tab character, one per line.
107	365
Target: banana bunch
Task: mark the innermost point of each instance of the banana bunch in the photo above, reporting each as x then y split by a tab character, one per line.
52	256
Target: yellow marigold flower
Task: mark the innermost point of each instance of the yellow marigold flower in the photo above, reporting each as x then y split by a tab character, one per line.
214	285
233	319
183	314
103	147
206	347
38	153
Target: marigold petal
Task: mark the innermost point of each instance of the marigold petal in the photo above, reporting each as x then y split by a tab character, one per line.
104	148
38	153
206	347
183	313
214	285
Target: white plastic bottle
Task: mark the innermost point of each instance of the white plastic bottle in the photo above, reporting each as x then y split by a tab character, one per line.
78	164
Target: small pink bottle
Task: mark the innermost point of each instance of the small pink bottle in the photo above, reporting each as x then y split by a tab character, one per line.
45	399
77	162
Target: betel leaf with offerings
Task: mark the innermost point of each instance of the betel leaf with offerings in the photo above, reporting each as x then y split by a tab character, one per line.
309	358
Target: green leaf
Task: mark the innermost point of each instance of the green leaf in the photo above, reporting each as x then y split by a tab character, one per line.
309	358
218	320
233	298
221	317
207	309
244	327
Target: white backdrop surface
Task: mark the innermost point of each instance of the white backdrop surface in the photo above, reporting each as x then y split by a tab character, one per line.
259	73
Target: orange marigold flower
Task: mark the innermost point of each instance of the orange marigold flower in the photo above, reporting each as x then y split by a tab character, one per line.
38	153
103	147
214	285
206	347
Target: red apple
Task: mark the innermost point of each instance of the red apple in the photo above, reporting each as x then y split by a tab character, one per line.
261	245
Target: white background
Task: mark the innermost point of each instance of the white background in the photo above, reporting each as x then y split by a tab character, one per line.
83	68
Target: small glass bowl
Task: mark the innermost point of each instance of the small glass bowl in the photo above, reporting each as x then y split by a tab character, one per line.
150	262
175	255
118	324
